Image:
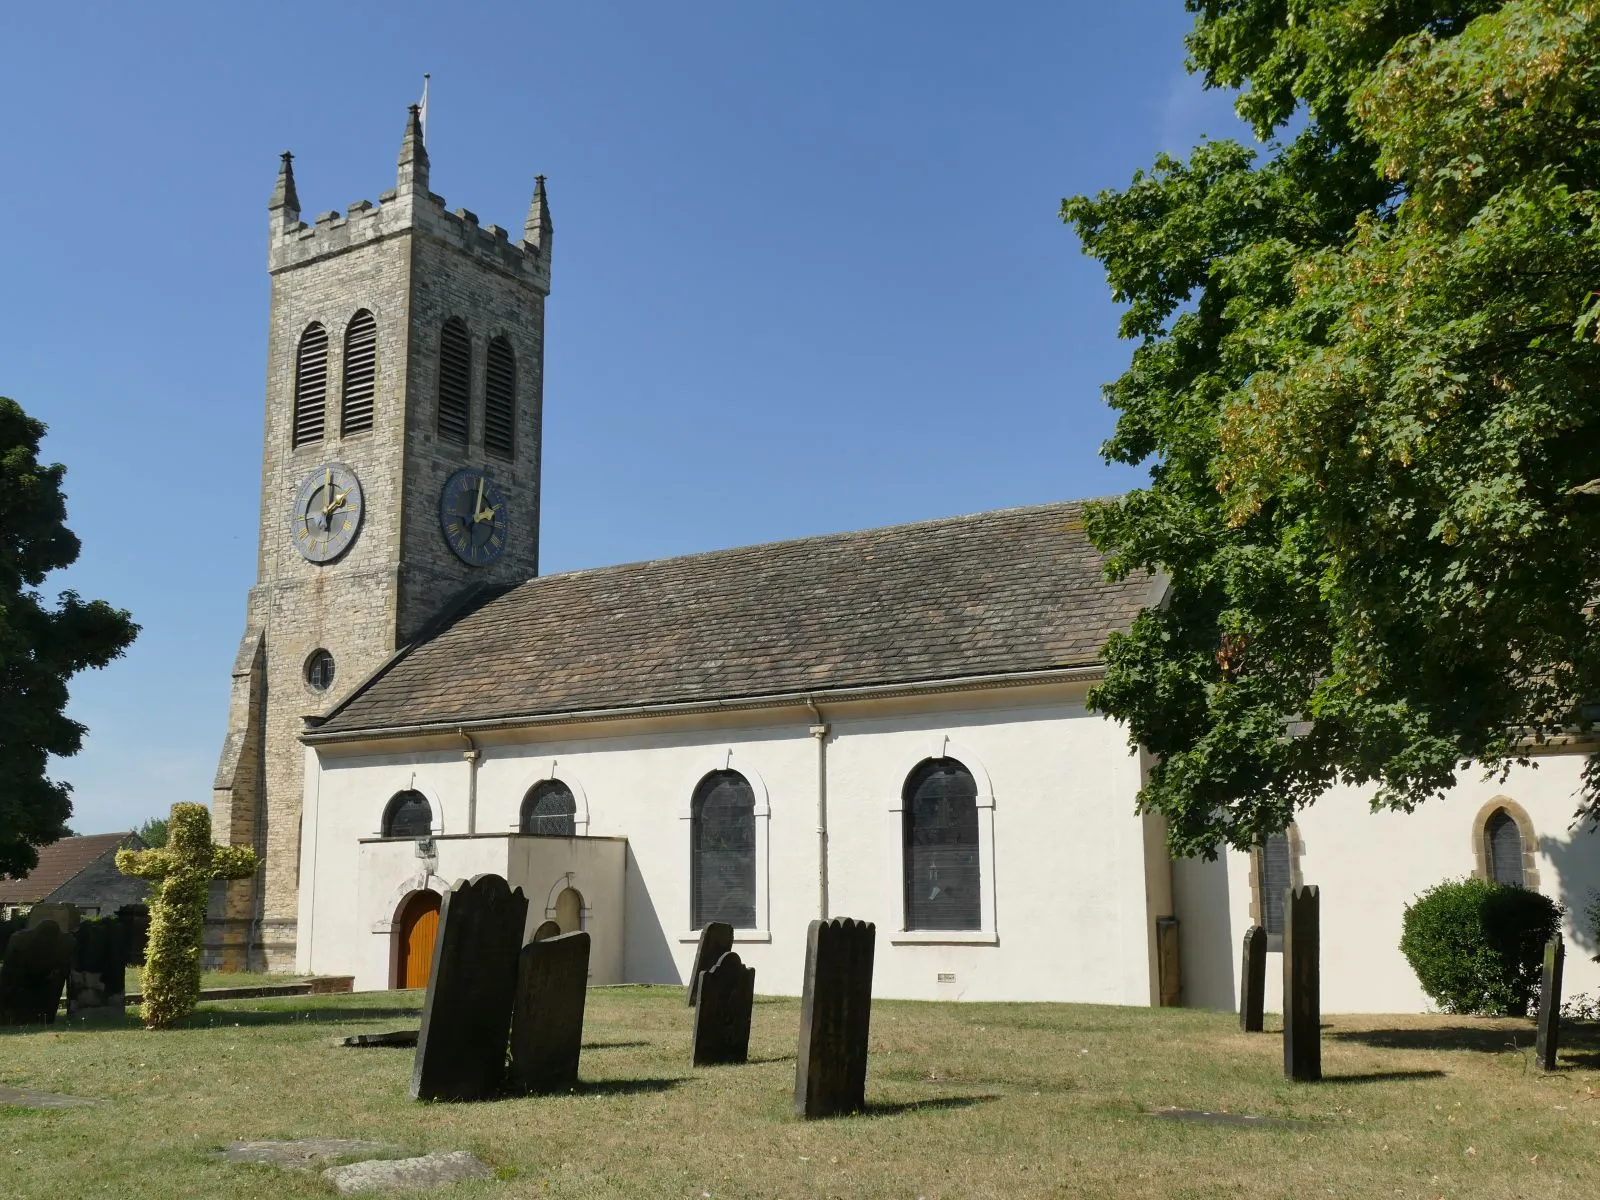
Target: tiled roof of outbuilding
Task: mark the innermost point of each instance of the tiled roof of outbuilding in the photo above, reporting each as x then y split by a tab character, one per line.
1005	592
59	862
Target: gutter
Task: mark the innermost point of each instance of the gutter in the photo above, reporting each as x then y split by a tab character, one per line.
1086	674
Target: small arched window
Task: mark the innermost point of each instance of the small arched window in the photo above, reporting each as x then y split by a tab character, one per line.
360	374
408	815
549	810
722	855
500	399
455	381
311	385
1504	842
940	829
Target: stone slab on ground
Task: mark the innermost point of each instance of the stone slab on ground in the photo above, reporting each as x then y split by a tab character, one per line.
320	985
23	1098
1224	1118
304	1153
407	1174
396	1037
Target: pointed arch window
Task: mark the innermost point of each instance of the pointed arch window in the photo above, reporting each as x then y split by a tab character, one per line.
455	381
408	815
1503	839
311	385
360	374
722	855
941	858
500	399
549	810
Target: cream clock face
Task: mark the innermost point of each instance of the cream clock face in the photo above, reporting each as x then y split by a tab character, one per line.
326	514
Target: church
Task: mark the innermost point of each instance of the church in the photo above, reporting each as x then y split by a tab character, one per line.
888	724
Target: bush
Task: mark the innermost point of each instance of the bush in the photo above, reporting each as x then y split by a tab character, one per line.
1477	946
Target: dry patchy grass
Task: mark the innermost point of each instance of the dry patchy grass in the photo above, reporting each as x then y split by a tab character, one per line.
968	1100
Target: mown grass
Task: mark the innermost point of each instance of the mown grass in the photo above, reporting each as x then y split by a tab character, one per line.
968	1100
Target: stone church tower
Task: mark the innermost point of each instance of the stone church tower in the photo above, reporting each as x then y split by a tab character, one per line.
399	479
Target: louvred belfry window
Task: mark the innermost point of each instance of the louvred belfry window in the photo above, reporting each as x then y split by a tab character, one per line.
360	374
941	847
722	859
311	385
549	810
500	399
455	381
1505	848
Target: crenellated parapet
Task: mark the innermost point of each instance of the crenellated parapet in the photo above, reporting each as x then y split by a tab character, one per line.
408	208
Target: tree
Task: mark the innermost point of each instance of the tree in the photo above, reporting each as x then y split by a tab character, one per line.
1367	383
153	833
41	647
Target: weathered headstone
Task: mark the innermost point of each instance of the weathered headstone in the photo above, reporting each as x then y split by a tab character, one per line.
1548	1039
722	1014
1302	985
32	974
136	919
835	1013
466	1015
64	915
1253	980
716	939
100	965
547	1021
546	931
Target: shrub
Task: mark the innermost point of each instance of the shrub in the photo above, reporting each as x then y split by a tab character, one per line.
182	871
1477	946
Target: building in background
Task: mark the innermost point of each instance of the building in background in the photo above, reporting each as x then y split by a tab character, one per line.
81	871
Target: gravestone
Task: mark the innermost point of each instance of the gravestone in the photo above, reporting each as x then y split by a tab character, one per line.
100	964
64	915
830	1074
32	974
466	1015
547	1021
136	919
1549	1037
1302	985
722	1014
546	931
716	939
1253	980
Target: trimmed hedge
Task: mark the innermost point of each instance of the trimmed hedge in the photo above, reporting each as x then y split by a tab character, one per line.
1477	945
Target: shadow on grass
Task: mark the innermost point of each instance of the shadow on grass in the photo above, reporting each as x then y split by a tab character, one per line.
615	1045
225	1018
1580	1037
624	1087
1382	1076
882	1108
771	1058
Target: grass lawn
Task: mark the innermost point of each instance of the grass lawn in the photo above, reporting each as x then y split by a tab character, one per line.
969	1100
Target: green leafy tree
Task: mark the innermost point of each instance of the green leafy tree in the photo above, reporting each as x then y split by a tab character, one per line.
153	833
1366	382
182	871
41	647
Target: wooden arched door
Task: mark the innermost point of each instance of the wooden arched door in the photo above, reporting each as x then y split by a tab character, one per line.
419	926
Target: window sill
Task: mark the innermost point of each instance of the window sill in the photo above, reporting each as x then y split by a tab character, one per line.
739	935
944	937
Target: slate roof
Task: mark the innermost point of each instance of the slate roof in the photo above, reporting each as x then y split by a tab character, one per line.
59	862
1012	591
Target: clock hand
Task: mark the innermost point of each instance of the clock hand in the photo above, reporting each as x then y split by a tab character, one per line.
477	505
486	515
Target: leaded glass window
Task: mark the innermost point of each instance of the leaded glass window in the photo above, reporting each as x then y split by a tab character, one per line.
409	815
722	859
1505	848
549	810
941	847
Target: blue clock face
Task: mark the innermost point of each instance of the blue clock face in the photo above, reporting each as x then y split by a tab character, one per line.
326	513
473	516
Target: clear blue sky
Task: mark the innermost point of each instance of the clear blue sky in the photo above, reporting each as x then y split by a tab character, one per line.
808	274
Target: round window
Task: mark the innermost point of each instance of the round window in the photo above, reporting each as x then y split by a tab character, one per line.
319	671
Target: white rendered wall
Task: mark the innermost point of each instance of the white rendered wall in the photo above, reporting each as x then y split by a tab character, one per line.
1369	866
1065	910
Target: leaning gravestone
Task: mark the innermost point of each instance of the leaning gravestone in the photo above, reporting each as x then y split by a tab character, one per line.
722	1016
1253	980
1549	1037
1302	985
466	1016
35	969
547	1021
716	939
96	985
830	1074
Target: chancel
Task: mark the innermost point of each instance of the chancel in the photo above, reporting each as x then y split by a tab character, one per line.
889	725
